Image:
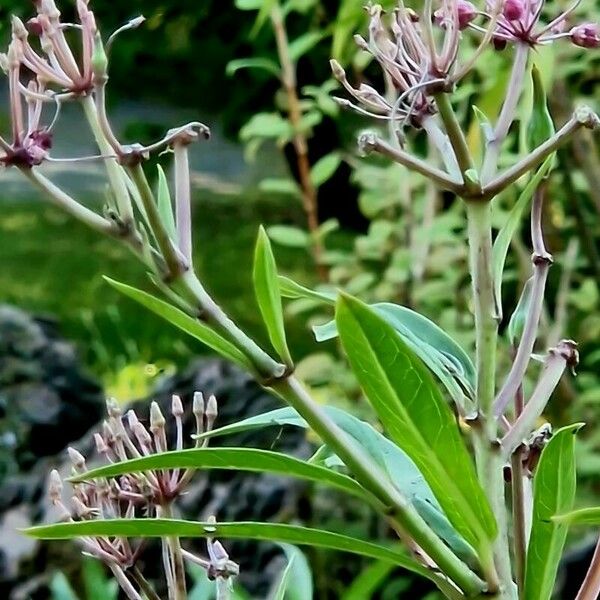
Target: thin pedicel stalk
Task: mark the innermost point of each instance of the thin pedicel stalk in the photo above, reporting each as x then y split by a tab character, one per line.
183	210
507	113
289	82
487	451
542	260
176	559
590	588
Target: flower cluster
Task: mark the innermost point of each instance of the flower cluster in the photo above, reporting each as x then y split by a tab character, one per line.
148	494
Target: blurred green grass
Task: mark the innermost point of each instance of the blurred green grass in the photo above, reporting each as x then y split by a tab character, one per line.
52	265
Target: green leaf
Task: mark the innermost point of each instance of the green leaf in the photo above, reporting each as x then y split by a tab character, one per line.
280	186
291	534
413	412
553	492
165	207
248	4
266	125
97	585
268	296
61	588
253	63
502	242
301	45
540	127
177	317
291	289
448	361
324	168
583	516
400	469
230	459
296	582
286	235
517	320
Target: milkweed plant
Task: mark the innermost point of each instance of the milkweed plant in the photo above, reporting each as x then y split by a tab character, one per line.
480	498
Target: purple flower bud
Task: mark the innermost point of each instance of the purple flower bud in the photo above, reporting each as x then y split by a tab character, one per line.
35	27
586	35
513	10
466	13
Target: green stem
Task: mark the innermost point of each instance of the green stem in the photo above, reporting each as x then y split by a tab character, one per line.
487	449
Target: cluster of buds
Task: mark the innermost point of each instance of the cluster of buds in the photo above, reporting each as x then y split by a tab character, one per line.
147	494
406	48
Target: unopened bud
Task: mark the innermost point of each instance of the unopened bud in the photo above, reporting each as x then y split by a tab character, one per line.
465	13
136	22
586	35
132	419
513	10
54	486
99	59
107	432
76	458
101	446
19	30
361	42
337	70
35	27
113	409
212	409
176	406
142	435
198	404
157	420
81	510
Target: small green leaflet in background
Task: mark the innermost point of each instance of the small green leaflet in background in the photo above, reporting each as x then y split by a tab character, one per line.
268	296
324	168
296	580
504	237
414	414
286	235
191	326
265	64
553	493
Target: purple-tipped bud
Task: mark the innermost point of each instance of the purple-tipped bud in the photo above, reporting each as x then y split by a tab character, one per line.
198	404
132	419
465	13
176	406
513	10
586	35
35	27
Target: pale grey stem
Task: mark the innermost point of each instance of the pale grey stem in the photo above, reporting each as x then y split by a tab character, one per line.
563	355
590	588
507	113
440	141
541	264
124	583
583	117
370	142
183	209
69	204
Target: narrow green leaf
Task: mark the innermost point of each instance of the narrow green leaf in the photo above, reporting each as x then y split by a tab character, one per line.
553	492
253	63
296	581
368	581
230	459
502	242
268	296
61	588
282	586
165	207
291	534
517	320
540	127
301	45
324	168
291	289
400	469
412	410
97	585
177	317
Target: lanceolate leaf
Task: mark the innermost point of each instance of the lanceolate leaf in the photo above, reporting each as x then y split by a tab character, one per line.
291	534
165	208
507	232
291	289
553	492
232	459
448	361
296	582
184	322
400	469
266	288
416	417
583	516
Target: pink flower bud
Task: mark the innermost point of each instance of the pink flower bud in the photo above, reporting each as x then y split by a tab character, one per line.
466	13
586	35
513	10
